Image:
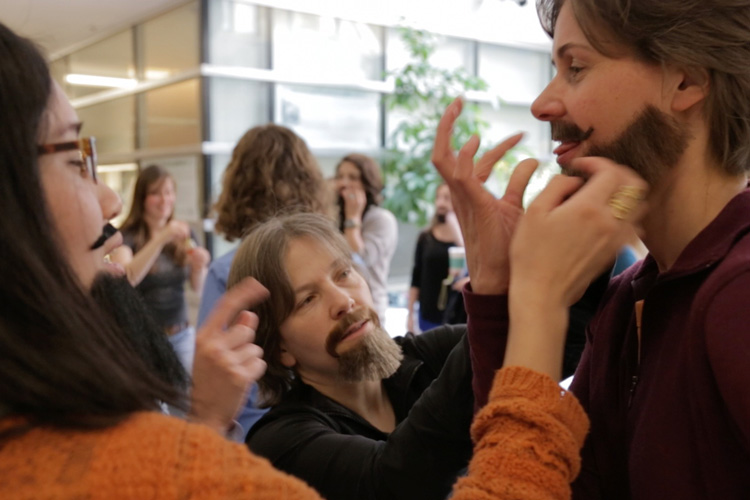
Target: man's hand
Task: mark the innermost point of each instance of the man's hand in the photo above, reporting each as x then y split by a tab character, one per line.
226	361
487	223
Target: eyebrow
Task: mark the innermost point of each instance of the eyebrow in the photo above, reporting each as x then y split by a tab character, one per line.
73	126
337	263
561	51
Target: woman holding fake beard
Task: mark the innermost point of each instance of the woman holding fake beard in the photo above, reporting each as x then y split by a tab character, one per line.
430	281
159	255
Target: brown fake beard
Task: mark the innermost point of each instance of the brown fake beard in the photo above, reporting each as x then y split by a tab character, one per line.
651	145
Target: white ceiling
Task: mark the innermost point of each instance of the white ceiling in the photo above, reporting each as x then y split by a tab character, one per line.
59	25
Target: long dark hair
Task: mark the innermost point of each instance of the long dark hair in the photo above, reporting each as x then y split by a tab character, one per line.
135	222
372	182
62	361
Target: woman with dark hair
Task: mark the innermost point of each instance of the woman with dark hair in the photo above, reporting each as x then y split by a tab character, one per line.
79	411
159	255
371	231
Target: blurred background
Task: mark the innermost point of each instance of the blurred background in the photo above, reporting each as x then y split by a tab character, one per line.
177	83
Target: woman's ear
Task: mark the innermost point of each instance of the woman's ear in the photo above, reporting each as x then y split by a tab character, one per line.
692	88
286	357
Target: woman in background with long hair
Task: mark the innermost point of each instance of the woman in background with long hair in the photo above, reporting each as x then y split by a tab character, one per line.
159	255
370	230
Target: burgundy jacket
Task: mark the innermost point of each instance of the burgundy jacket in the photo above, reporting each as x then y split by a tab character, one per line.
669	408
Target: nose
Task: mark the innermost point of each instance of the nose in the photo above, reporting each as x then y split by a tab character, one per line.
548	106
110	202
341	303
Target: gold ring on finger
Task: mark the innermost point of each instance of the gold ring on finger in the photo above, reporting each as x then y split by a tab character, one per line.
625	200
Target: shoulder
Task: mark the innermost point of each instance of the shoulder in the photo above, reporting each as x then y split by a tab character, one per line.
379	216
298	418
148	455
195	457
725	288
128	237
220	267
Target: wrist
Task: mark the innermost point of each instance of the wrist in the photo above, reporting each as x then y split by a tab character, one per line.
215	423
352	223
487	284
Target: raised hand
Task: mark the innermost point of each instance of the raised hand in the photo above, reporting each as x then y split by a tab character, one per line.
487	223
355	201
226	361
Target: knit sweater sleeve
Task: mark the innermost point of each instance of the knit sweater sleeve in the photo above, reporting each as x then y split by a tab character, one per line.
527	440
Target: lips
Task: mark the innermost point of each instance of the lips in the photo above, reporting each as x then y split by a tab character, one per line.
565	151
355	328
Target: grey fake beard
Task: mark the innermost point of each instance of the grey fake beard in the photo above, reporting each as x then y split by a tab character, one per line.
376	357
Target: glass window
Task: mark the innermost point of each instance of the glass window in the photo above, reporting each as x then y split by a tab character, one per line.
508	120
326	48
330	118
187	173
171	116
238	34
450	53
104	65
120	177
171	43
516	75
236	105
112	123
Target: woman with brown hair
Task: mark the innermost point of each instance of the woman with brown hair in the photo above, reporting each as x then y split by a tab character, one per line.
159	255
370	230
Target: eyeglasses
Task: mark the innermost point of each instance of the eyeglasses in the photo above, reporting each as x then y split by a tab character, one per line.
86	146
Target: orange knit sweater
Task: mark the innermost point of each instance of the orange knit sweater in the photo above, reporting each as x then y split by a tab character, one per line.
149	456
528	440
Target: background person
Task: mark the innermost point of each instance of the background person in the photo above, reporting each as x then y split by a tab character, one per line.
159	255
431	264
370	231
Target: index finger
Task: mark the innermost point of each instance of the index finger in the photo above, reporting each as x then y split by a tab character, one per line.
442	150
246	294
